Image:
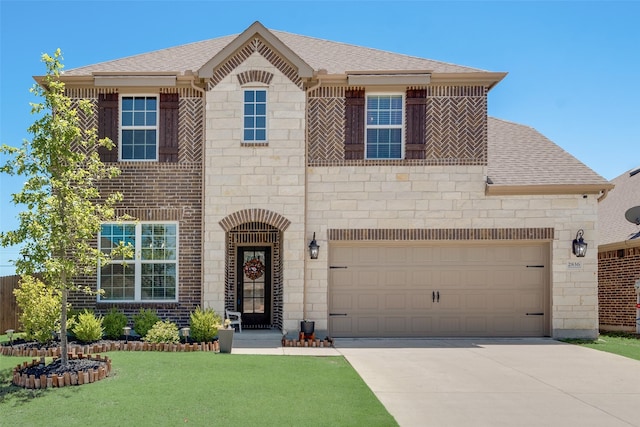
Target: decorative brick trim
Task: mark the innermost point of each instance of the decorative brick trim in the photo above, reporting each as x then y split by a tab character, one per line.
254	215
457	234
254	144
256	45
455	133
260	76
259	234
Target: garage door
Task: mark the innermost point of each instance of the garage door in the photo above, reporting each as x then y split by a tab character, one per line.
378	290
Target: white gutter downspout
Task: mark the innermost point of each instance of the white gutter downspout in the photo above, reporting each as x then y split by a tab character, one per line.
204	176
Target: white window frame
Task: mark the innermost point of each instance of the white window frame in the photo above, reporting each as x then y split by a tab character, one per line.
266	114
401	126
137	262
123	128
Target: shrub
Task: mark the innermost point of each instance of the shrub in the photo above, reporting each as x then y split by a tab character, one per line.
113	323
163	332
204	324
144	320
87	327
40	309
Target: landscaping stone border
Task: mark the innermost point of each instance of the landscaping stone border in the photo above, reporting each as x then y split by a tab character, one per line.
21	379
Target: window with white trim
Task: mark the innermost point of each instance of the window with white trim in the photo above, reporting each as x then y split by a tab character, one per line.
384	126
152	274
139	128
254	115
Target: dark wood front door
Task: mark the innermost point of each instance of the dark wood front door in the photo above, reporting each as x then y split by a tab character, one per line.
254	285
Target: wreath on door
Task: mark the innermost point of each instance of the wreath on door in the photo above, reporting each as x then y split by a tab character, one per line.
253	269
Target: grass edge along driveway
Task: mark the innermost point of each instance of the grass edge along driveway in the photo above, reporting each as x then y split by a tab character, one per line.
202	389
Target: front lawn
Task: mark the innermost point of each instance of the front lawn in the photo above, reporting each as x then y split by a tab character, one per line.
202	389
627	345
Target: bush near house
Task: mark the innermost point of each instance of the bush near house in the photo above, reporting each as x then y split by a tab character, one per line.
144	321
114	322
204	324
163	332
87	327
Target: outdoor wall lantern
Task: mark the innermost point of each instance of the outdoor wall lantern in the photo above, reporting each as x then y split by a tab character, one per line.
579	245
127	332
314	248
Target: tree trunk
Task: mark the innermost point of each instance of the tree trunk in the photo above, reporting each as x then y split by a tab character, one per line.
64	357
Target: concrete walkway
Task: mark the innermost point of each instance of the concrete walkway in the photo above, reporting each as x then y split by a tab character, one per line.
485	382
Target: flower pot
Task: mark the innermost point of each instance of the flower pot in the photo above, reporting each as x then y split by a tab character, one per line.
307	327
225	339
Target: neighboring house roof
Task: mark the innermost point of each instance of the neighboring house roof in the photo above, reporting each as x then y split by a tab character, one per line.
335	57
523	161
613	227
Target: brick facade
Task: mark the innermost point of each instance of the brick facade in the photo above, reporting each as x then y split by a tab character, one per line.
618	271
155	191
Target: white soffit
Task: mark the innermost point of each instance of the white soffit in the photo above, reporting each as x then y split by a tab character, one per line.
135	81
388	79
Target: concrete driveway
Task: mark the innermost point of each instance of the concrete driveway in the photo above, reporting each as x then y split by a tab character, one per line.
497	382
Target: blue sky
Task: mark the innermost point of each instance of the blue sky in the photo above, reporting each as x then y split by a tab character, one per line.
573	65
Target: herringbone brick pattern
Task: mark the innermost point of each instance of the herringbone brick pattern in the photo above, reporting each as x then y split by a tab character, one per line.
326	128
457	124
191	130
255	45
456	128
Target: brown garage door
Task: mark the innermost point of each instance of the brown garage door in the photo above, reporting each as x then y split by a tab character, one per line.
398	290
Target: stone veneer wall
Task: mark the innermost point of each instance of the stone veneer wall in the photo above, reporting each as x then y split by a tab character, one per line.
453	198
618	271
243	177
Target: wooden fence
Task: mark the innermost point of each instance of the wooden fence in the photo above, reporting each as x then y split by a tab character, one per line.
8	305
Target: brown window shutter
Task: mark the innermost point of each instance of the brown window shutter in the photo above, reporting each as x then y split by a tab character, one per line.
354	125
168	138
108	125
415	147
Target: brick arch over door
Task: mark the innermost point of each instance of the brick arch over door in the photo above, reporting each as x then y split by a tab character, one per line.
254	215
255	227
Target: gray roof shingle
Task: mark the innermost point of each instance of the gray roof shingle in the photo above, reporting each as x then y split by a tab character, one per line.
612	224
520	155
335	57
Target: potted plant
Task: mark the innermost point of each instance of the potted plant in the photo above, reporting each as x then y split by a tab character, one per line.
225	337
307	327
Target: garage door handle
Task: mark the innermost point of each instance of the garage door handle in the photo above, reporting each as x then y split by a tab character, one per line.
535	314
438	296
337	314
435	296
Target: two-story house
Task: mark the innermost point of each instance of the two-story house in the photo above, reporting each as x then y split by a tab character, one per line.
432	219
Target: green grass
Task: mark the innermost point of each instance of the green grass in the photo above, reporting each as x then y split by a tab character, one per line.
201	389
627	345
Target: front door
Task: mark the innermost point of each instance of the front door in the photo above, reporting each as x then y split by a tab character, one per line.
254	285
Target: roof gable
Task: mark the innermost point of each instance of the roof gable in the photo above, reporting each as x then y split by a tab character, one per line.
255	30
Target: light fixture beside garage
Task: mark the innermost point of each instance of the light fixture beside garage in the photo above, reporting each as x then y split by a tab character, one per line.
314	248
579	245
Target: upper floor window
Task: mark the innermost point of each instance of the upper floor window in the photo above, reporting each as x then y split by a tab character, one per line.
152	274
384	124
139	128
255	115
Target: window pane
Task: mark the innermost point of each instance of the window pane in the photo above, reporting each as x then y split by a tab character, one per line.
261	96
249	96
248	135
261	135
261	109
249	122
138	115
261	122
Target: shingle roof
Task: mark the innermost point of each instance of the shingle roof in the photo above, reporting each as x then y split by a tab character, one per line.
520	155
335	57
612	224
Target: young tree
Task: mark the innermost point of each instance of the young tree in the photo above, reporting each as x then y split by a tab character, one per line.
64	208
